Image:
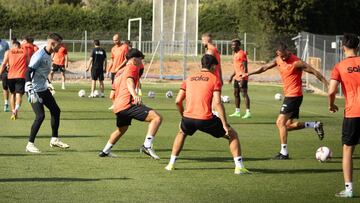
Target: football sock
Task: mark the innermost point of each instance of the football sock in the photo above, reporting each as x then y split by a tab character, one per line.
6	102
348	186
310	124
237	110
284	150
148	141
53	139
247	110
238	162
172	159
107	148
17	107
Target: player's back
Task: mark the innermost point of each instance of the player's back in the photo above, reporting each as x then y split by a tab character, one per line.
199	89
98	55
347	72
17	63
59	56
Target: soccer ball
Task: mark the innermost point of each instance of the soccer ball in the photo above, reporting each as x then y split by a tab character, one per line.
323	154
151	94
278	96
81	93
169	94
225	99
96	93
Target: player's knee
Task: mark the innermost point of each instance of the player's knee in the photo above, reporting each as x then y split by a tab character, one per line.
280	123
40	117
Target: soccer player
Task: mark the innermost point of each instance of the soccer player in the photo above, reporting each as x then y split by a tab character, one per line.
39	95
97	64
240	84
291	69
4	46
128	106
29	46
16	58
200	90
211	49
60	63
118	53
347	73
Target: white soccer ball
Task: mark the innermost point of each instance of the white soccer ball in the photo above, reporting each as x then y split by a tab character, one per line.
81	93
151	94
278	96
169	94
96	93
323	154
225	99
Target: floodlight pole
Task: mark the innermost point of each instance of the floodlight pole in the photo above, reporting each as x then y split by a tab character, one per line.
161	39
197	27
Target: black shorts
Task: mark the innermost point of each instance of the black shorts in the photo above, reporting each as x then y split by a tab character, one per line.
351	131
97	74
240	84
56	68
291	105
139	112
17	85
212	126
4	80
112	77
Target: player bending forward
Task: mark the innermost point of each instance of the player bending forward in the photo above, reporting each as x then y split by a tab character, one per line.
199	90
291	69
128	105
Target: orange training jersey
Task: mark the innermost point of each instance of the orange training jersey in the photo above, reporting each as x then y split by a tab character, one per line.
123	99
59	57
290	75
17	63
347	72
217	56
199	89
118	54
238	61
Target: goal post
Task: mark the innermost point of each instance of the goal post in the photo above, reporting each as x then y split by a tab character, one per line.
140	29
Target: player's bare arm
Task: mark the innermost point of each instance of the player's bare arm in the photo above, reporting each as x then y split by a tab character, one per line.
219	107
66	61
309	69
89	64
231	77
333	86
179	101
131	87
262	69
5	62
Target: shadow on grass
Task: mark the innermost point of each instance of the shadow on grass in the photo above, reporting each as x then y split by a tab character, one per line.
157	150
298	171
46	137
87	119
15	155
254	123
57	179
221	159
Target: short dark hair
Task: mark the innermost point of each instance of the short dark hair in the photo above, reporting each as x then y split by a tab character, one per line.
281	47
14	39
207	34
55	36
134	53
236	41
17	43
96	42
350	41
208	60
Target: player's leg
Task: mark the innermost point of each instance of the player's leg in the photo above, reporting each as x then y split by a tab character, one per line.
93	86
114	137
5	91
11	86
38	109
245	95
101	81
19	91
155	120
235	149
176	149
50	103
237	100
283	134
62	70
53	70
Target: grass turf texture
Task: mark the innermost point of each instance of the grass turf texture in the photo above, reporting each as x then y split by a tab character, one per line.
205	168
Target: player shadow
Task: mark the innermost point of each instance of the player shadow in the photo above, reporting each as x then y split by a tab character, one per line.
254	123
156	150
19	155
221	159
46	137
58	179
297	171
86	119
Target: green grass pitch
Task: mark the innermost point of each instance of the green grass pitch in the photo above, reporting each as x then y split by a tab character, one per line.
205	167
